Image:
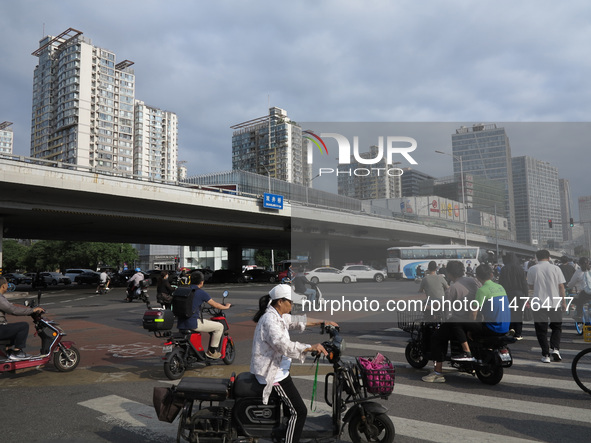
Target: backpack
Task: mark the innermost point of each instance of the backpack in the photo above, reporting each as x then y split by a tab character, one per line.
182	302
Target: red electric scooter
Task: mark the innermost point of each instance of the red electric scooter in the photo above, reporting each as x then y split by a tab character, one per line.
63	354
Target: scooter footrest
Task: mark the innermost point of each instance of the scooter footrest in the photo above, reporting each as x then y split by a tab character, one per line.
214	389
318	427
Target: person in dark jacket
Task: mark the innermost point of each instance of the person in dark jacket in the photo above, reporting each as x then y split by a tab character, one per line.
512	277
164	290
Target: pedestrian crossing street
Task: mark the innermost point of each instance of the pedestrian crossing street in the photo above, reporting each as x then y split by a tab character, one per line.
534	401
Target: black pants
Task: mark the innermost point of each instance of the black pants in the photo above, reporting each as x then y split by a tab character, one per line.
290	396
16	332
541	319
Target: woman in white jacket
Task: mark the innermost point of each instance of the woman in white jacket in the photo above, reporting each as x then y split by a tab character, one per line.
273	350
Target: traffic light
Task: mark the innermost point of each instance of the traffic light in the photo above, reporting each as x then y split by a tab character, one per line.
549	222
572	222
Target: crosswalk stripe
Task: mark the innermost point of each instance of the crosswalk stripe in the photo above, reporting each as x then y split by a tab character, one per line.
434	432
140	417
484	401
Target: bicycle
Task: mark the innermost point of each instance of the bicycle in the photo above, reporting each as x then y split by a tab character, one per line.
581	370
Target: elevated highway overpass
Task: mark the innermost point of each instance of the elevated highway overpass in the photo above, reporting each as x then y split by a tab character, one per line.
48	200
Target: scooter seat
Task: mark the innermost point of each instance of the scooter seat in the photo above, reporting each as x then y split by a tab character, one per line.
492	341
247	385
196	388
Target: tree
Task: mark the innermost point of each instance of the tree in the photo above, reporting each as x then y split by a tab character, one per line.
13	255
263	256
50	255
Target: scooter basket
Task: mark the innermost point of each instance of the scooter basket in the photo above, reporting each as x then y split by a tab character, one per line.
409	321
377	373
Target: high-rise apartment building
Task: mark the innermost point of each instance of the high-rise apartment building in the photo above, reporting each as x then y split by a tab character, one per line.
377	184
280	156
537	200
585	218
84	110
565	209
155	143
6	138
484	151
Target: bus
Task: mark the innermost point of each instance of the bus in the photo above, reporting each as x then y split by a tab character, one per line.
402	262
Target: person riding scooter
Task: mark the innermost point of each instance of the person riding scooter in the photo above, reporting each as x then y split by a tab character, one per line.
16	332
300	281
133	283
198	324
273	350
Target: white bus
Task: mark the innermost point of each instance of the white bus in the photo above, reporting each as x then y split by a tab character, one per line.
403	261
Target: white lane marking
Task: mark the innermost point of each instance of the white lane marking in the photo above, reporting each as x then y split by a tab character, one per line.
141	418
484	401
426	431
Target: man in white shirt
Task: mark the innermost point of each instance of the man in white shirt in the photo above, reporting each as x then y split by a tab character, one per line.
548	302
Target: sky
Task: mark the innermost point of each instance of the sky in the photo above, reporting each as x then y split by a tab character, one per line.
216	64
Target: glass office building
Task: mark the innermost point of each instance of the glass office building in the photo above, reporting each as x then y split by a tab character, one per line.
485	151
537	200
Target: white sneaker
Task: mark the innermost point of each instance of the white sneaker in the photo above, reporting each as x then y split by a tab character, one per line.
434	377
555	353
545	359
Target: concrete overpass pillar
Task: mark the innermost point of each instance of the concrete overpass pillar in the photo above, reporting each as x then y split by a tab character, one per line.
320	251
235	258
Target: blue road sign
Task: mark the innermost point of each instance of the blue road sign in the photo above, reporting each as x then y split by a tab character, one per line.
272	201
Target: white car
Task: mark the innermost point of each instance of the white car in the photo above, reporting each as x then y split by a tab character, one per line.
363	272
328	274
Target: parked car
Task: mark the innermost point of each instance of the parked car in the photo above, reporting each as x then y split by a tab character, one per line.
363	272
72	273
228	276
17	279
327	274
88	278
55	278
261	275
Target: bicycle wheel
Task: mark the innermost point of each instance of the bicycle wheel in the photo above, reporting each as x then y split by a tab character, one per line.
581	370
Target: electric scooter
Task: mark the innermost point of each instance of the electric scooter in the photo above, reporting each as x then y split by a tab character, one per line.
63	354
185	349
224	410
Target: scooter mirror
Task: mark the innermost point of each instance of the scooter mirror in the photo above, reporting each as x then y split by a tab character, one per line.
225	294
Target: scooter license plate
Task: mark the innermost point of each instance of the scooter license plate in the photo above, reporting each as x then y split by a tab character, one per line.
505	356
166	349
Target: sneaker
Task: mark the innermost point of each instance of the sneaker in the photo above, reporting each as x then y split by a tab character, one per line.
434	377
20	355
465	356
511	332
214	355
556	355
518	337
546	359
96	292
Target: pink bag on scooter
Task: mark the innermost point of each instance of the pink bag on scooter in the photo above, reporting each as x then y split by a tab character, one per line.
377	374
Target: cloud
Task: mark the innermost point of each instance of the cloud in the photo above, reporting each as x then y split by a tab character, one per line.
218	63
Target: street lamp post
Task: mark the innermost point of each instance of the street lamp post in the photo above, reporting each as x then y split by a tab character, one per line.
268	175
317	175
459	158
